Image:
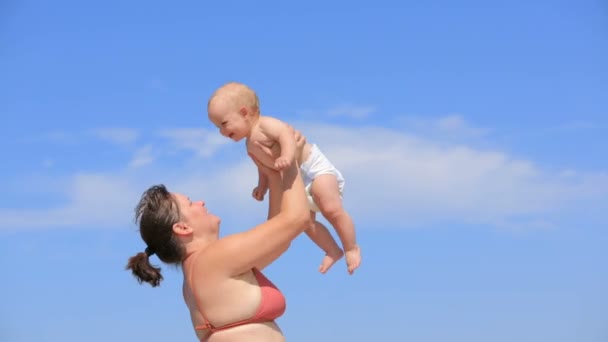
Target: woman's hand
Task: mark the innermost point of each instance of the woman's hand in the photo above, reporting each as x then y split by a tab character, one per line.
269	172
300	139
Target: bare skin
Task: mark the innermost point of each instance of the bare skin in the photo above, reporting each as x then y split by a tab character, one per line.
219	270
326	194
275	145
321	236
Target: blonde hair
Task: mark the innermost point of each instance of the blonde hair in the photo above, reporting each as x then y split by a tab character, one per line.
238	94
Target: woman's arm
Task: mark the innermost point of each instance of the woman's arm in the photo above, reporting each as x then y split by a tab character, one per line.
259	246
274	207
274	203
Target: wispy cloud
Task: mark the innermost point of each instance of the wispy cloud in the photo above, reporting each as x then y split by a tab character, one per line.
452	126
203	142
120	136
391	172
455	123
93	200
352	111
143	156
358	112
393	179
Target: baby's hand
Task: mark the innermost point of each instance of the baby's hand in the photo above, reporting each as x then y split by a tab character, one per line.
282	163
258	193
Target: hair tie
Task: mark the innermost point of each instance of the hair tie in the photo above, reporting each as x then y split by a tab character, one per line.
149	251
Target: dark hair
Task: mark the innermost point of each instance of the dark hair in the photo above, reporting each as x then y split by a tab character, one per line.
156	213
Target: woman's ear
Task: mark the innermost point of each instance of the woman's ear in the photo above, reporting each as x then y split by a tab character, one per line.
180	228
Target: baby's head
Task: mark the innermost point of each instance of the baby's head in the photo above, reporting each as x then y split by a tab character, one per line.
233	108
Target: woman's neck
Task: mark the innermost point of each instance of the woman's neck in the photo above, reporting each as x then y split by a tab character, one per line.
195	245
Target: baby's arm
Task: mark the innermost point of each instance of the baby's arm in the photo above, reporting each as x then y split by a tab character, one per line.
278	131
260	191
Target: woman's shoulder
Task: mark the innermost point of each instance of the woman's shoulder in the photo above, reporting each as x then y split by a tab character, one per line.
215	259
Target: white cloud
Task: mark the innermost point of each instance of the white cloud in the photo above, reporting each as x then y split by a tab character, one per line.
143	156
93	200
203	142
397	175
393	179
357	112
120	136
444	127
455	123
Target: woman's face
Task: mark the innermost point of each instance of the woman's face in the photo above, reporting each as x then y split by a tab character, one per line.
196	215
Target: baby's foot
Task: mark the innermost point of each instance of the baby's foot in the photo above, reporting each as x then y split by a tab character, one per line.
330	259
353	259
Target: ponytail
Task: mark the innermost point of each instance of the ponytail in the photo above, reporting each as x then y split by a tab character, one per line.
143	271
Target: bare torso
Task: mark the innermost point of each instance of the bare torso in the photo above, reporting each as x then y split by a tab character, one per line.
257	136
227	301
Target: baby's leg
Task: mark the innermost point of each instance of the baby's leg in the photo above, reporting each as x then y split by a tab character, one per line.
319	234
326	194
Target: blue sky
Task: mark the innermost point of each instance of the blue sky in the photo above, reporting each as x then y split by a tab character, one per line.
471	135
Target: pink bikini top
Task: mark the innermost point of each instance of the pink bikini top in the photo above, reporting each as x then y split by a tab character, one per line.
272	306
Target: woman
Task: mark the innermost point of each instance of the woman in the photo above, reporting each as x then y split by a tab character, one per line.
228	298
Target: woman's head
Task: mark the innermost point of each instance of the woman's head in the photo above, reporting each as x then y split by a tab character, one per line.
167	222
156	213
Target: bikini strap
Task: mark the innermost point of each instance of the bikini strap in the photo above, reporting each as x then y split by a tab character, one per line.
206	324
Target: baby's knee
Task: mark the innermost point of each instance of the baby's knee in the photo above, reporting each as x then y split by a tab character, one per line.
331	208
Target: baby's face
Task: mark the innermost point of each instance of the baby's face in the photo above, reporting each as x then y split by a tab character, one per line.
228	120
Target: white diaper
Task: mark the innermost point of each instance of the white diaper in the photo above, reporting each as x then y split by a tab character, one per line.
317	164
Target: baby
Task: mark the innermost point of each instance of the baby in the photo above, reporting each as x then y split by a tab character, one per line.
234	109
